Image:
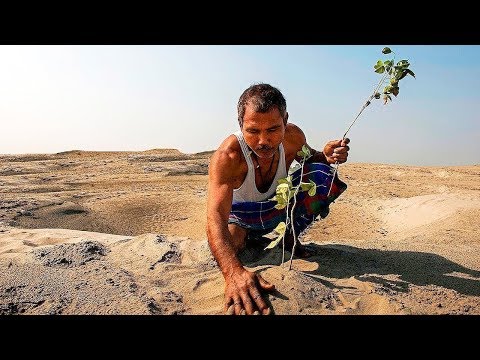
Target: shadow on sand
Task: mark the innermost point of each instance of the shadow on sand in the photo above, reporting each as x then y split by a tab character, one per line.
418	268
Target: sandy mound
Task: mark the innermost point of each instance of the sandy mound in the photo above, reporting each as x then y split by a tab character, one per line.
74	272
148	274
403	214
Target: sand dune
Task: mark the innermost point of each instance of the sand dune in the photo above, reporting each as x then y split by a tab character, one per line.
124	233
411	213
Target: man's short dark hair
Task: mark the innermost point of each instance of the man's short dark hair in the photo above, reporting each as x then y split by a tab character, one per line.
263	97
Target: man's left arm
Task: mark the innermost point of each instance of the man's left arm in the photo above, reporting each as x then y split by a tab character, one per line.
333	151
317	156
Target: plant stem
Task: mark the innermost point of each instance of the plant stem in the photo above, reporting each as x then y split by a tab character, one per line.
353	122
287	221
291	213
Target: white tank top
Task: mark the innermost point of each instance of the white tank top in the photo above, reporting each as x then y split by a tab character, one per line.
248	190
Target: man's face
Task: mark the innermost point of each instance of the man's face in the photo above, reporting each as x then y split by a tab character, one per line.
263	132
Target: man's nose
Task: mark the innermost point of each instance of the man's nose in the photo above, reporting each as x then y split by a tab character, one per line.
263	139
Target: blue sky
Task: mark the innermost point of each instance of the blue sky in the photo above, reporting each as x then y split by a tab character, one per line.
135	97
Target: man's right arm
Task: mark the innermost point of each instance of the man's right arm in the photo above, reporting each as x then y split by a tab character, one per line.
219	203
242	287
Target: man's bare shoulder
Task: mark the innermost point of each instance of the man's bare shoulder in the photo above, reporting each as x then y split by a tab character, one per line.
294	136
229	154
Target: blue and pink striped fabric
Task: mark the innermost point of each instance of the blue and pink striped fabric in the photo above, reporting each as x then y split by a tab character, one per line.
262	217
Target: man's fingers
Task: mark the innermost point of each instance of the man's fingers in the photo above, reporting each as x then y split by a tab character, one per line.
338	143
235	309
237	306
268	311
335	143
265	284
247	304
259	301
341	150
261	304
228	302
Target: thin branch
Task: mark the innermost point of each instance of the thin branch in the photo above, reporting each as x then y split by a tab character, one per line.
287	221
291	213
353	122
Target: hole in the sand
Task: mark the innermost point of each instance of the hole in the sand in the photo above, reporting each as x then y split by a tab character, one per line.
73	211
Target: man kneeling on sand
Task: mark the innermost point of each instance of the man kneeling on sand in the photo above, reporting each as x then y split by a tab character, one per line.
244	174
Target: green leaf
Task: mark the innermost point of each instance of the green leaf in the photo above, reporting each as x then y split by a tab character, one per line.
393	81
300	153
313	190
274	242
283	188
305	186
285	180
389	63
279	199
386	50
378	64
410	72
380	70
306	150
282	199
402	74
280	229
280	206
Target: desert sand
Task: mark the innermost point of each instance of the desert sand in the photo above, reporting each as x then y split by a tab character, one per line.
124	233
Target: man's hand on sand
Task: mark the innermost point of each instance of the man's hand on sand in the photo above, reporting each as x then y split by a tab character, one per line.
242	294
336	151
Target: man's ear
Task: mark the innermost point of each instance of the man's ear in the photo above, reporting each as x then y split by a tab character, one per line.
286	119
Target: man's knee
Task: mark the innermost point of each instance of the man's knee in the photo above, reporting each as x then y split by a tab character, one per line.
239	236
